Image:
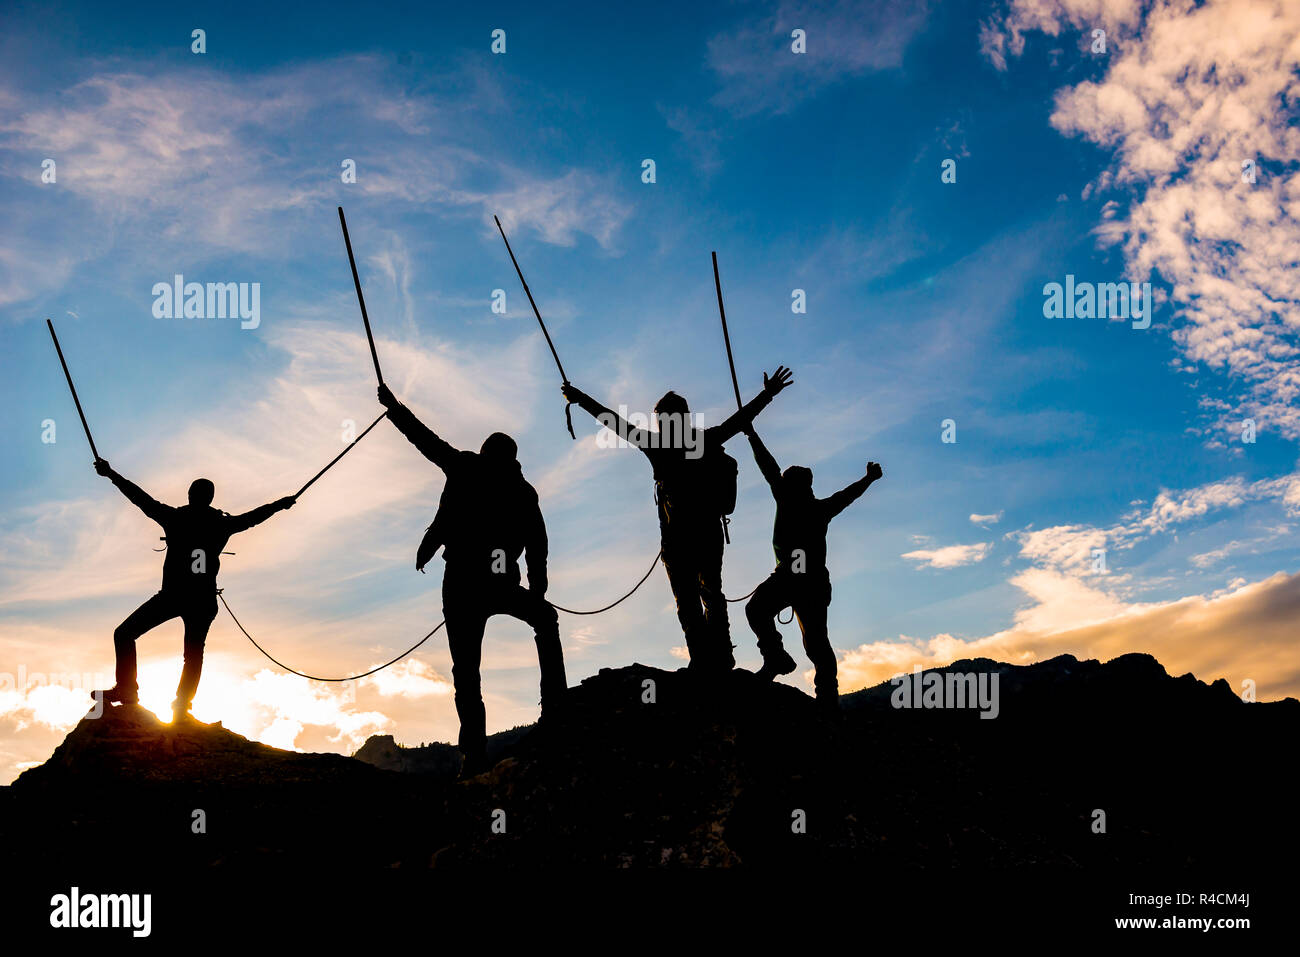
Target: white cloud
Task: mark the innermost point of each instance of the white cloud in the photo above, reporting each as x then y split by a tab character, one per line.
1190	92
950	556
977	519
1070	547
410	678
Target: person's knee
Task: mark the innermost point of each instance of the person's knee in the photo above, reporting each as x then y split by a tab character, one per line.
122	636
757	613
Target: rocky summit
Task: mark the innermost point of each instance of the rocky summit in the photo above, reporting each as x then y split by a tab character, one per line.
1065	764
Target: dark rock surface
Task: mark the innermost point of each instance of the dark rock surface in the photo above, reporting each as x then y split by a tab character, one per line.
708	775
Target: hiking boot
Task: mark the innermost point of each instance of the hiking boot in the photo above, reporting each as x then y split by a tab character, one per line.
475	764
712	659
116	695
775	664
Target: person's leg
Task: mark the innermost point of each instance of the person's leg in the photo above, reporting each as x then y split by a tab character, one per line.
761	611
810	608
718	628
537	612
463	608
682	566
198	618
150	615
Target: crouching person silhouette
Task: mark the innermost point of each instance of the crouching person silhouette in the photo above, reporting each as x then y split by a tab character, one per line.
801	580
487	518
695	489
195	535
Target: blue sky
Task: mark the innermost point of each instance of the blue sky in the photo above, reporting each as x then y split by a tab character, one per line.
817	171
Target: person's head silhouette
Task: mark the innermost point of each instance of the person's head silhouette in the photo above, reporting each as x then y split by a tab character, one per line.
671	417
201	492
499	451
797	480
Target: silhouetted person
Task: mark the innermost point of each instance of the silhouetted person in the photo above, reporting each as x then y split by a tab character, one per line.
195	535
488	516
687	463
801	580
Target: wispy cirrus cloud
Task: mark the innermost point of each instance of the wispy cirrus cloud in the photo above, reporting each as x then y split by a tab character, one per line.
760	72
245	163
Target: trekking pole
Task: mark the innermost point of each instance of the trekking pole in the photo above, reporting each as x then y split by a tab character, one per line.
67	375
568	417
735	385
717	284
360	298
340	455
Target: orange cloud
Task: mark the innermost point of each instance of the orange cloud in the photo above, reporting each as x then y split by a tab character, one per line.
1247	632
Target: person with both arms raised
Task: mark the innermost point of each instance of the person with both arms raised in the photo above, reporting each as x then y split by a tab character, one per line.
801	580
695	487
195	535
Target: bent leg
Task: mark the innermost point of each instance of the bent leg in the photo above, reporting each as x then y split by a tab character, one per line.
198	619
545	622
761	611
150	615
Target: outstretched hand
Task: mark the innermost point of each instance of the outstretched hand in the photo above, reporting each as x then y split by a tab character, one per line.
874	471
386	397
102	467
287	502
781	378
572	393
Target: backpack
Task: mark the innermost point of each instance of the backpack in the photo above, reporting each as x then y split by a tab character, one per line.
722	472
717	475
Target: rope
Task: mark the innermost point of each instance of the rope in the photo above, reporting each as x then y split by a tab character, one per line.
570	611
314	677
437	627
743	597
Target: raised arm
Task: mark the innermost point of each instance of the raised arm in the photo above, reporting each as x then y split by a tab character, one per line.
740	420
257	516
135	494
433	447
766	462
606	417
849	494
